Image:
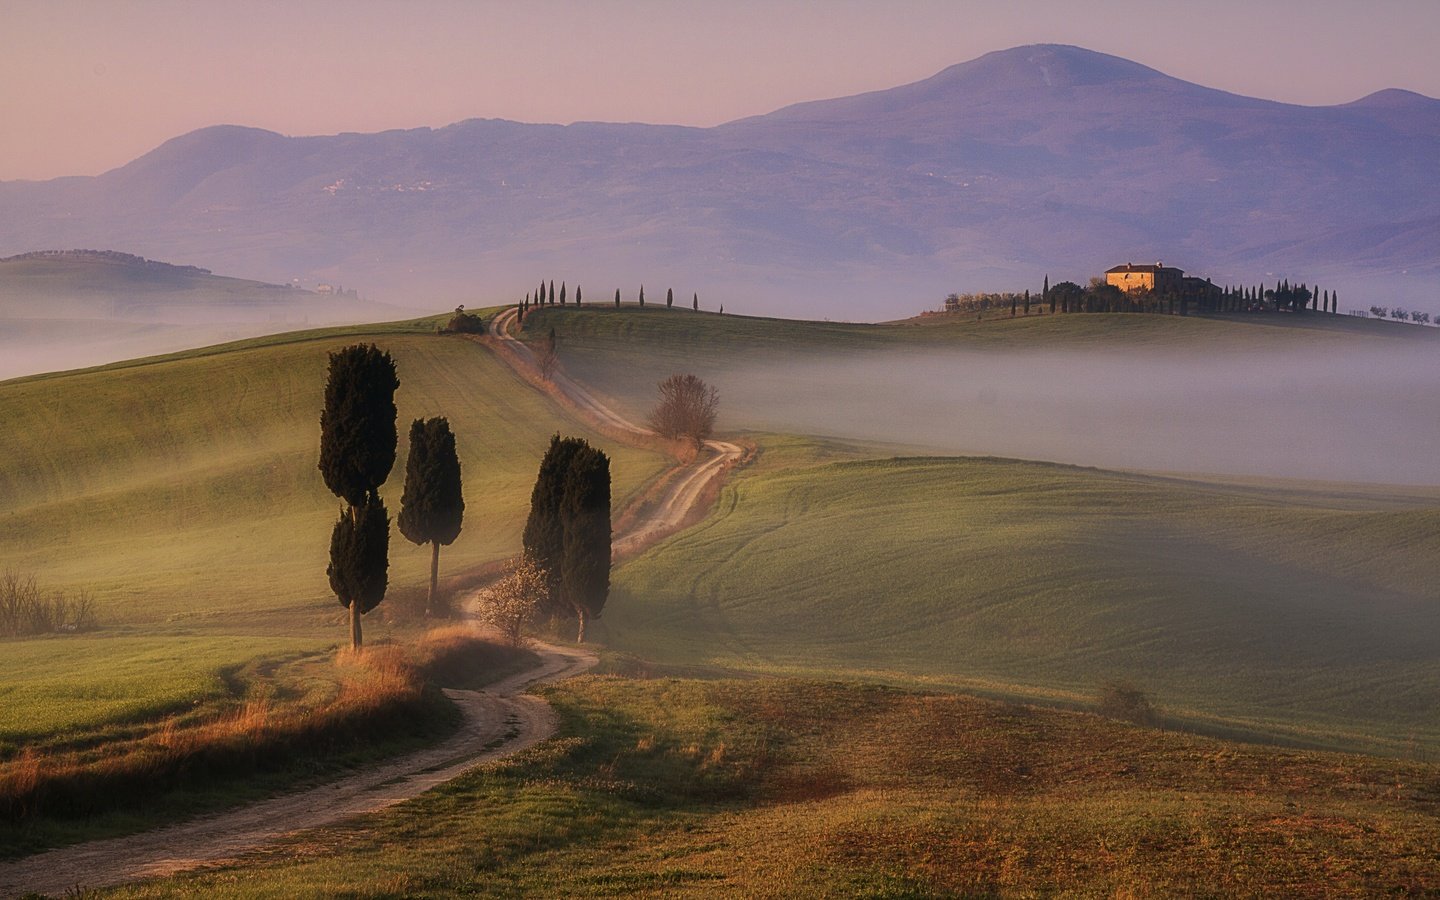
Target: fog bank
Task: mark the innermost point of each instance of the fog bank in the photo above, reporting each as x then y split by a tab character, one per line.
1366	415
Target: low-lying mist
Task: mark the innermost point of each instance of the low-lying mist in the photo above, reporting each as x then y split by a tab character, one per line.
1363	415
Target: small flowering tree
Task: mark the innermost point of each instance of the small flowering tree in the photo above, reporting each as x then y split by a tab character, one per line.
513	603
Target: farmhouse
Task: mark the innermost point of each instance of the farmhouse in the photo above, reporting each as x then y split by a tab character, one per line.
1159	278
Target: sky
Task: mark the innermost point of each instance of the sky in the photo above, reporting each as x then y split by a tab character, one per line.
88	85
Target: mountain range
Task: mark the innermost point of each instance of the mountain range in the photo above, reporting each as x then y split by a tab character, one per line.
1034	161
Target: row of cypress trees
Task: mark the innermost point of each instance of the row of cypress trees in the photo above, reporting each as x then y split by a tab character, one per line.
546	296
357	451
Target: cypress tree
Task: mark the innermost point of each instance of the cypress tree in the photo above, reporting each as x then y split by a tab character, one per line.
577	295
617	298
562	293
669	298
357	425
357	452
585	515
544	535
642	295
433	505
1027	301
552	291
695	305
1046	295
359	558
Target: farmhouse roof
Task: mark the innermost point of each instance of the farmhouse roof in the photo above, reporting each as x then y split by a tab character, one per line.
1131	267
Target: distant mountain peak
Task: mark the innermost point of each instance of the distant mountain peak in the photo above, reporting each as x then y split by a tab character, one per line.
1047	66
1040	73
1396	98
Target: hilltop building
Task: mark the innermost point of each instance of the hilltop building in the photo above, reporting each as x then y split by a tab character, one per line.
1159	278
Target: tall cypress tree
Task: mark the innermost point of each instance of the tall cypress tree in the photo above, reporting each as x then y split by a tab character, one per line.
669	298
359	559
544	536
585	515
577	295
695	304
642	295
1027	301
433	506
562	293
617	298
552	291
357	452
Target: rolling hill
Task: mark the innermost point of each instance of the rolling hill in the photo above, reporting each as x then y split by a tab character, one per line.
72	308
182	494
1259	604
1038	159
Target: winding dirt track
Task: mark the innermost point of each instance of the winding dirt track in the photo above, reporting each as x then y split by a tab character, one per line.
681	494
498	722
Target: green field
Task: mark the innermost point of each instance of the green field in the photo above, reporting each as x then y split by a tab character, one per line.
183	494
781	788
1299	611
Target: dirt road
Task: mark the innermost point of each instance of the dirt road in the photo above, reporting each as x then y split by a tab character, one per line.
499	721
682	492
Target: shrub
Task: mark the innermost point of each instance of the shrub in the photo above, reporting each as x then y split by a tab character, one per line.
1119	700
512	604
464	323
25	609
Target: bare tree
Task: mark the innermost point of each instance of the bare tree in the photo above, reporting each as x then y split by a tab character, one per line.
687	409
512	604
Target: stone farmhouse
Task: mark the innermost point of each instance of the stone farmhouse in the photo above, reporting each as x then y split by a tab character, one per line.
1159	278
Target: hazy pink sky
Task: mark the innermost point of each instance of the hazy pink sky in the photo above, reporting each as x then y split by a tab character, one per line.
87	85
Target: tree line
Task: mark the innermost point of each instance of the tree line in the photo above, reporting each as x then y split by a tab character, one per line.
1098	296
545	295
1400	315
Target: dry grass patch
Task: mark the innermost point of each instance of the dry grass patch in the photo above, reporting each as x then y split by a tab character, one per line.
282	714
792	788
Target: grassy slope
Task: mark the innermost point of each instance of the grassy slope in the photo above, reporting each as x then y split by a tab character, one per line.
183	494
1306	610
1301	611
781	789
